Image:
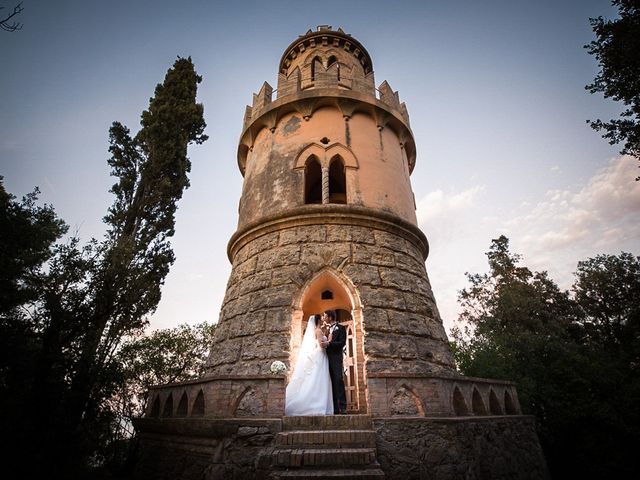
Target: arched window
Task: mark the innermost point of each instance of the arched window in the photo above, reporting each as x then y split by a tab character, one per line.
477	404
494	404
168	407
509	407
182	406
459	405
313	181
155	408
337	181
198	404
314	63
332	59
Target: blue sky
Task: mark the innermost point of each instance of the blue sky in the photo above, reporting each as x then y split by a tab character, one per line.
494	89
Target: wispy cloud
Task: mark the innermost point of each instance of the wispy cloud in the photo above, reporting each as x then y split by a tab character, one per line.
569	225
438	204
553	234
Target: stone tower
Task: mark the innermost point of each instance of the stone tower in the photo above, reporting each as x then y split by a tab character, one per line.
327	221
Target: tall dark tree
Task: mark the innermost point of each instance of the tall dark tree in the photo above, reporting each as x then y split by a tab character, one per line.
617	49
92	296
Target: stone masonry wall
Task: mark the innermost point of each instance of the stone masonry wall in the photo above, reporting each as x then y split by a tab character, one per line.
402	327
496	448
197	449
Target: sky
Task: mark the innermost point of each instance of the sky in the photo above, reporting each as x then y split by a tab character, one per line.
494	89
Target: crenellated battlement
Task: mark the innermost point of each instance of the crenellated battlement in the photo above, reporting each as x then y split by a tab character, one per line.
325	59
324	78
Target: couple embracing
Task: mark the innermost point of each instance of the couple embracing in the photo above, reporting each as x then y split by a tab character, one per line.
317	386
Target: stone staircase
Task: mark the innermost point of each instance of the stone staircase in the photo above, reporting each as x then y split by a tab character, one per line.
332	446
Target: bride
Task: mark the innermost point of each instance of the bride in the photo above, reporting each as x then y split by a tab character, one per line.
309	390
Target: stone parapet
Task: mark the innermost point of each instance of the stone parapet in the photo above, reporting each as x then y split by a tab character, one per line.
219	396
404	394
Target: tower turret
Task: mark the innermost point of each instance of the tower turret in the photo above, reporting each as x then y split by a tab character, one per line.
328	136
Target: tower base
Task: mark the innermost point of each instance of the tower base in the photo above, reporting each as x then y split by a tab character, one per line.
439	448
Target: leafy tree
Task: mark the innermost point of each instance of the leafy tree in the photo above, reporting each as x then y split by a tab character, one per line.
617	49
513	324
91	296
574	357
161	357
148	359
27	233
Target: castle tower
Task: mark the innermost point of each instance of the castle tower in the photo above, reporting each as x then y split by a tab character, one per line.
327	221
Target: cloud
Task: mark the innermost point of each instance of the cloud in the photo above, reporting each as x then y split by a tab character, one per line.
438	204
565	226
569	225
456	225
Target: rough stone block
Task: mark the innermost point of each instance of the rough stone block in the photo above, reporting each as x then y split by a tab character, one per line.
304	234
361	274
382	297
285	255
376	319
372	255
390	241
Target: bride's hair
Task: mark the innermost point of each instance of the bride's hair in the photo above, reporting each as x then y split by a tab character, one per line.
316	319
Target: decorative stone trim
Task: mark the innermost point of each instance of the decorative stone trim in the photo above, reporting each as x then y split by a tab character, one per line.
335	214
392	394
224	396
307	101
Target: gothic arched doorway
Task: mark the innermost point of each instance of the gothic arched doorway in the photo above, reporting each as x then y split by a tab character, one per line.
330	290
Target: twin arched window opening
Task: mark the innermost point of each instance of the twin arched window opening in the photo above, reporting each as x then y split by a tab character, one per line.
330	61
328	185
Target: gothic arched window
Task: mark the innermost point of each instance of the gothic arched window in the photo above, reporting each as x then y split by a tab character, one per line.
313	181
332	59
337	181
314	63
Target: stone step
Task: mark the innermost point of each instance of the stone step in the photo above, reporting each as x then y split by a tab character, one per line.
343	474
327	438
328	422
324	457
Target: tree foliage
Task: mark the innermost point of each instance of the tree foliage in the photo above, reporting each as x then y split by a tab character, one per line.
574	355
147	359
7	21
161	357
87	298
617	49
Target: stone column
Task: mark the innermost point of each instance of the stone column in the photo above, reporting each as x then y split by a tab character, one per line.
325	185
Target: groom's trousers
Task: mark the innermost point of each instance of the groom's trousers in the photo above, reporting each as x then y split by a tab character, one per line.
337	384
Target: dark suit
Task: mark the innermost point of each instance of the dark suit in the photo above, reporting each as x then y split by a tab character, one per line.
334	353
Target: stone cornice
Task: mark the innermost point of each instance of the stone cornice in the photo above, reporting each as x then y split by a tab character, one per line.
332	214
450	378
218	378
306	102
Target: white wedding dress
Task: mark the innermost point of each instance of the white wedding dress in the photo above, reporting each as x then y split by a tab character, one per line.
309	390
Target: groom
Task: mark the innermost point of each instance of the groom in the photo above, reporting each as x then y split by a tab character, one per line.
334	353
